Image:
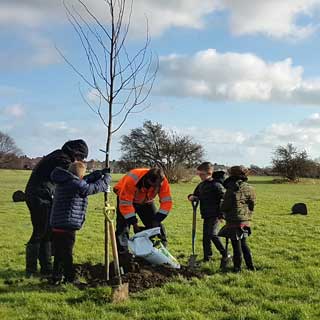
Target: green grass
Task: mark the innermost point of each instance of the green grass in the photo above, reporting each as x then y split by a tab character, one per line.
285	249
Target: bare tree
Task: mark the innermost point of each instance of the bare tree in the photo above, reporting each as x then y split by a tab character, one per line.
119	82
289	162
151	145
8	149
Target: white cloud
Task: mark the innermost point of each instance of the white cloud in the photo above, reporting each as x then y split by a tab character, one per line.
44	52
30	14
14	111
236	77
161	14
31	49
273	17
59	126
240	147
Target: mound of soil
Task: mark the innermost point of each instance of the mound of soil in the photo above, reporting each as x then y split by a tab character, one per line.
141	276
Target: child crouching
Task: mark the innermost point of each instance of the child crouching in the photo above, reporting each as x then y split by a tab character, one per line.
68	212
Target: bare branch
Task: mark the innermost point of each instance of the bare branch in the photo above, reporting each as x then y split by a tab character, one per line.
122	81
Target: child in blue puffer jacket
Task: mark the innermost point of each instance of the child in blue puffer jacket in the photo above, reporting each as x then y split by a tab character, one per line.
69	210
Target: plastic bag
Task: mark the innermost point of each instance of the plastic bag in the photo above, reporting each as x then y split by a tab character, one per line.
153	251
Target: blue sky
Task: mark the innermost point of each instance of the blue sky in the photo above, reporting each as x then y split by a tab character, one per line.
242	77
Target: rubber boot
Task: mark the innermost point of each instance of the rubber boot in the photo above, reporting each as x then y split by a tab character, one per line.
225	259
45	259
32	253
56	272
249	262
237	264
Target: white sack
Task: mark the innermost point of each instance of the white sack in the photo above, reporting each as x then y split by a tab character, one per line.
141	246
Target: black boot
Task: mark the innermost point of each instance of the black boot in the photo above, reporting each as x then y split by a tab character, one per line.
225	259
45	258
32	253
250	265
237	263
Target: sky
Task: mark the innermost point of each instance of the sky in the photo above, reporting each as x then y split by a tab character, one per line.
241	77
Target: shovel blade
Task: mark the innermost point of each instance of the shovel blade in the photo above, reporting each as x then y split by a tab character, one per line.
120	293
192	263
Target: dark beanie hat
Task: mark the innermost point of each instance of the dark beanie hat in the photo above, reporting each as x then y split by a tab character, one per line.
76	149
220	175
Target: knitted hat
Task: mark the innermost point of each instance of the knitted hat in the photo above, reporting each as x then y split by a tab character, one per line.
76	149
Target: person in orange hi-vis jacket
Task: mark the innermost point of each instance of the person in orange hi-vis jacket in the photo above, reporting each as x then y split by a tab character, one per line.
136	193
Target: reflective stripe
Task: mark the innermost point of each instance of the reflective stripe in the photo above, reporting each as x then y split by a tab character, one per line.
166	199
133	176
130	215
125	202
165	212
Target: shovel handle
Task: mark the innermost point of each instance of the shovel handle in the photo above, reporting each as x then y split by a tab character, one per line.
106	248
194	223
195	204
114	251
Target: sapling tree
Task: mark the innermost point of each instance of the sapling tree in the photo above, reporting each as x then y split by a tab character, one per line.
119	82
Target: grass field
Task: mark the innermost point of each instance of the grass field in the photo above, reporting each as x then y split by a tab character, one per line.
285	249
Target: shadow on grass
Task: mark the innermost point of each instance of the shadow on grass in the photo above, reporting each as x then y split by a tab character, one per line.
100	296
24	286
8	274
252	181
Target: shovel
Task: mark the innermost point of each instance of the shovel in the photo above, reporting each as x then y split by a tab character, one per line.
120	291
192	263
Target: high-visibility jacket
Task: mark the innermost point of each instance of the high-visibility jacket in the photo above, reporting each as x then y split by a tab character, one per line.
129	194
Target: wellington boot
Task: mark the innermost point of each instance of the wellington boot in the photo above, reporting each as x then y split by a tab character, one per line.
32	253
45	259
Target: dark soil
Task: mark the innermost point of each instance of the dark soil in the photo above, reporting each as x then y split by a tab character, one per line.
140	277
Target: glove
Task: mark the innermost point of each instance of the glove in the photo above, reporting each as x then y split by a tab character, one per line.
191	197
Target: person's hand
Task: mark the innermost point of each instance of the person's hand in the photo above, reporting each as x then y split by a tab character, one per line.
136	228
191	197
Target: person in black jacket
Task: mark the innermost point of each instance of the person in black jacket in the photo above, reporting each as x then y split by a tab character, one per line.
39	194
68	212
209	193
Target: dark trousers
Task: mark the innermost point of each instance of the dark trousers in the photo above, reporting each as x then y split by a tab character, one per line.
240	247
39	245
146	213
63	255
40	216
210	233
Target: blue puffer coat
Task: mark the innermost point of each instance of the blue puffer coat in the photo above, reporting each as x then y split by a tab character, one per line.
70	197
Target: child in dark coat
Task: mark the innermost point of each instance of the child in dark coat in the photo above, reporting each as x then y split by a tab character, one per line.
209	193
68	212
237	207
